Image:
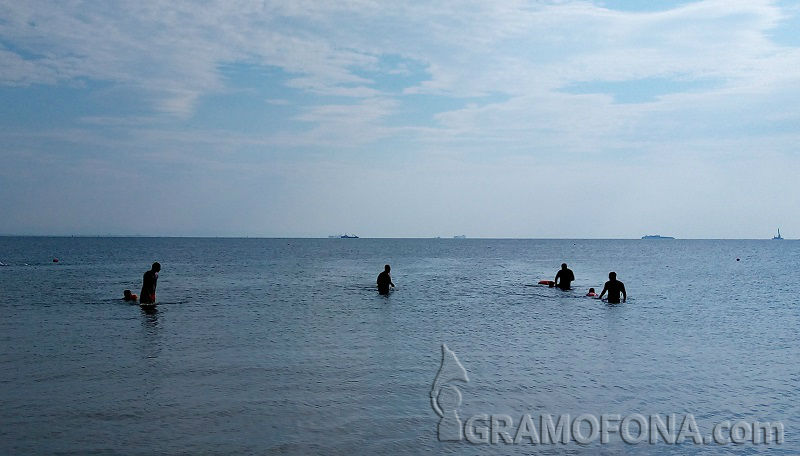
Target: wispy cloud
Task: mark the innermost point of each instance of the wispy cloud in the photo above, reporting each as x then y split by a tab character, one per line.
484	81
470	49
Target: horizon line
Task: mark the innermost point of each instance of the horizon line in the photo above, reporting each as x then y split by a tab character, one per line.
374	237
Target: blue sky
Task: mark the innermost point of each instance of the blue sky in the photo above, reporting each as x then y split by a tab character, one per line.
491	119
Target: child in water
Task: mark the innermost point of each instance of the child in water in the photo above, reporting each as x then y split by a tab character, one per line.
591	293
128	296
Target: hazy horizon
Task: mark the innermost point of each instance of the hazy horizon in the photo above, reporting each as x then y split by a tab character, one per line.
525	119
442	237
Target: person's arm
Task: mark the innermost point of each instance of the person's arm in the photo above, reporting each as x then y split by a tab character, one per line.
605	288
624	295
558	274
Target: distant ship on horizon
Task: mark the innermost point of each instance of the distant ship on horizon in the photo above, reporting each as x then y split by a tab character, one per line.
778	237
656	236
460	236
348	236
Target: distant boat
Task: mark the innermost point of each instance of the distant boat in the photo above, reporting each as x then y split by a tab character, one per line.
656	236
460	236
348	236
778	237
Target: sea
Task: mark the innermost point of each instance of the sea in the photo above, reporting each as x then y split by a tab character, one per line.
284	346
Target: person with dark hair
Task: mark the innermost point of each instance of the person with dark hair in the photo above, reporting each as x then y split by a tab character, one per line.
128	296
385	280
566	276
149	282
614	287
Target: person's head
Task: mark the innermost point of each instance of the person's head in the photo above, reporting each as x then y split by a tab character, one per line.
591	290
127	294
387	268
156	266
612	275
563	265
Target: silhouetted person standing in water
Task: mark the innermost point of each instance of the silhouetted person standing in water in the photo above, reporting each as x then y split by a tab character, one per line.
566	276
614	287
385	280
148	294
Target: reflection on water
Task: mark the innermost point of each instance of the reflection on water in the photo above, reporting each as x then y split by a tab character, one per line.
152	313
151	342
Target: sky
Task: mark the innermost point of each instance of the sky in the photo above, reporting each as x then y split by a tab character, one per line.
531	119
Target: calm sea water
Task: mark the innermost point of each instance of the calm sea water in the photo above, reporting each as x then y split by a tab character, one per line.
284	346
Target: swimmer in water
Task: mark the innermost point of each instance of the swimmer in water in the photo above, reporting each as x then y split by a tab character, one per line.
149	282
385	280
614	287
566	276
591	293
128	296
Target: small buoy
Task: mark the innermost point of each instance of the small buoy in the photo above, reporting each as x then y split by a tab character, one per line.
55	260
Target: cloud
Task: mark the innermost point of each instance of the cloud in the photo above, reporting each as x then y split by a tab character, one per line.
528	52
492	84
469	48
351	124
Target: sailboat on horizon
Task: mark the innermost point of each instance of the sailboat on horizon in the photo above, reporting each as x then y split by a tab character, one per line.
778	237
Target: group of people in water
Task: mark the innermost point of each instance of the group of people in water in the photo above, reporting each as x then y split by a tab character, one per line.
563	280
148	294
613	287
